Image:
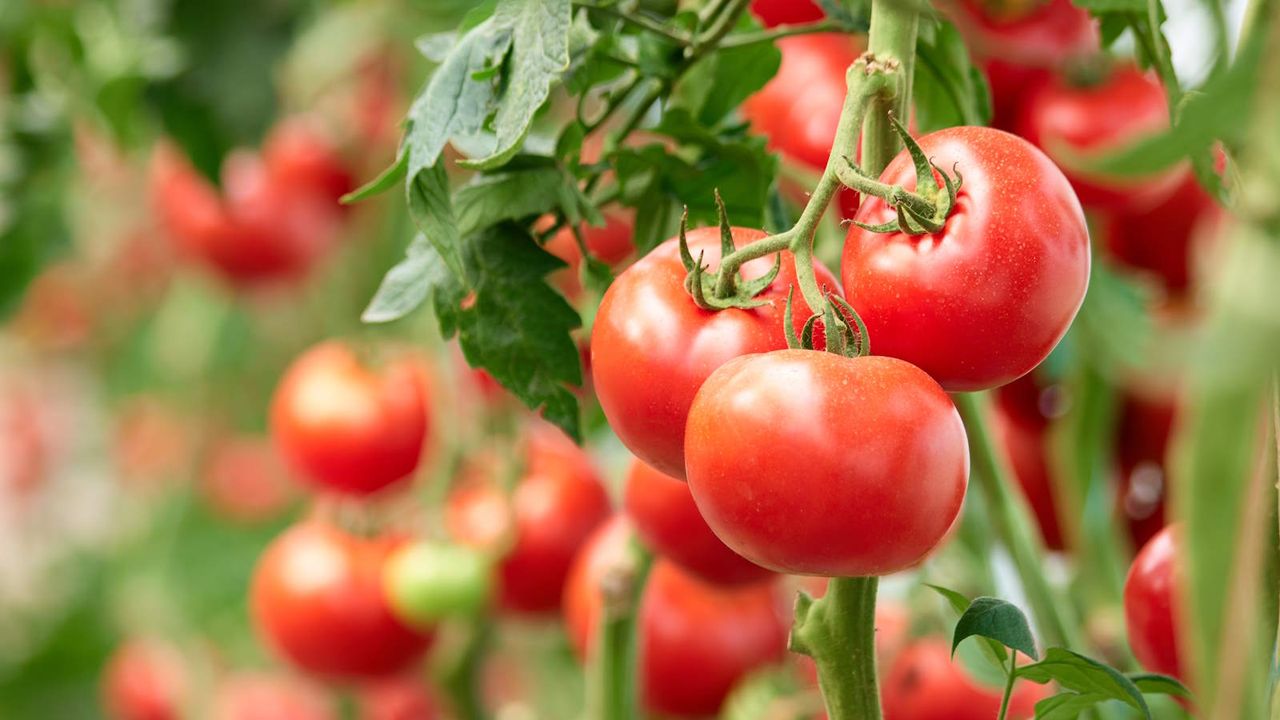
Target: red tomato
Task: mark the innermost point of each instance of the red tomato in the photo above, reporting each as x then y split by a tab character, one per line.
317	599
611	244
268	697
668	521
696	640
1025	444
302	159
1020	49
144	680
397	699
799	109
1160	241
1150	597
651	346
786	12
553	509
245	480
346	428
1142	441
985	300
1073	124
924	683
816	464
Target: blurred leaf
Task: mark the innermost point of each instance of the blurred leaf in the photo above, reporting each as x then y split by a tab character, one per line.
432	211
406	285
386	180
1099	7
1155	684
998	620
1091	680
718	83
948	90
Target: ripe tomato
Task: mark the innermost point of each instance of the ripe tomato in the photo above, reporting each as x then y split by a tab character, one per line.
346	428
982	302
799	109
1150	597
1161	241
538	529
1023	432
816	464
245	480
786	12
403	698
611	244
696	640
1020	48
1142	441
1073	123
651	346
270	697
668	521
144	680
924	683
317	599
302	159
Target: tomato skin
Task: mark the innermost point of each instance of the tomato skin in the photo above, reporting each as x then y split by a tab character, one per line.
267	697
552	511
812	463
612	244
144	680
924	683
317	597
667	519
786	12
345	428
1150	596
1142	442
1161	241
652	347
984	301
696	640
1093	121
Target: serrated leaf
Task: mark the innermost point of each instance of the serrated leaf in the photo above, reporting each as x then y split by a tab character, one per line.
491	199
539	56
406	285
386	180
513	324
998	620
1086	676
432	211
1156	684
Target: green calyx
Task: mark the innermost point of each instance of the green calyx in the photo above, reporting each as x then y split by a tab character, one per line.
717	290
845	333
919	213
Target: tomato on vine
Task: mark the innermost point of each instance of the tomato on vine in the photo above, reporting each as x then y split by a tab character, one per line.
346	428
317	599
1163	241
1143	432
984	299
144	680
812	463
786	12
652	346
926	683
1151	601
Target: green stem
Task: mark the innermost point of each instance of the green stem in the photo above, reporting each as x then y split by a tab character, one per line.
721	23
1012	520
461	679
636	19
892	42
838	632
782	31
615	667
1008	685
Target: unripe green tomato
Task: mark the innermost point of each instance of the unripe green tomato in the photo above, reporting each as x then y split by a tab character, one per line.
426	582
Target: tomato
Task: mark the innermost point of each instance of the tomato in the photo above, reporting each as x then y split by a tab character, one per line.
302	159
786	12
696	640
144	680
427	582
668	521
1161	241
982	302
924	683
152	444
1076	123
1142	442
611	244
812	463
271	697
317	598
1019	49
538	529
1150	597
651	346
397	699
1023	432
26	445
59	311
799	109
245	480
346	428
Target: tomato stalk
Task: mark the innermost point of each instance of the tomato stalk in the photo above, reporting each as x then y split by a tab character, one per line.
615	666
838	632
891	41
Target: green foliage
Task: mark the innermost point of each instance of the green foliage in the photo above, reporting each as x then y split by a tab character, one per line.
997	620
948	89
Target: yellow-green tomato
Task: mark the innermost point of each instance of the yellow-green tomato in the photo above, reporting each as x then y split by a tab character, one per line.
426	582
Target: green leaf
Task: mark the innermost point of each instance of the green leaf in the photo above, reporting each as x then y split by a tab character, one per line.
1066	706
513	324
948	89
1156	684
384	182
491	199
998	620
1085	676
539	56
432	211
1101	7
406	285
718	83
994	653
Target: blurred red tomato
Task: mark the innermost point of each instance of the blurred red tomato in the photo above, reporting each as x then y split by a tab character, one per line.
271	697
924	683
1142	441
1022	430
153	443
245	479
1161	240
612	244
144	680
25	446
58	310
405	698
1150	600
786	12
302	159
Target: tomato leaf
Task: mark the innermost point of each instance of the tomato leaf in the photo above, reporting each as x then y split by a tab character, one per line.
998	620
994	654
491	199
1066	706
432	211
539	31
1085	676
948	89
386	180
719	82
406	285
511	323
1155	684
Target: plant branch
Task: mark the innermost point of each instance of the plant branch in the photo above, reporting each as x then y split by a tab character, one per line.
782	31
636	20
838	632
892	42
614	668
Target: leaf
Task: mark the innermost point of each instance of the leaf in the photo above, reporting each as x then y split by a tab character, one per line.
998	620
513	324
1101	7
1156	684
539	56
948	90
491	199
1066	706
1086	676
432	211
406	285
436	46
718	83
995	654
384	182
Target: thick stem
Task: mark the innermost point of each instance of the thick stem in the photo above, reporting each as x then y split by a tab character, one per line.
838	632
892	41
615	667
1012	520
